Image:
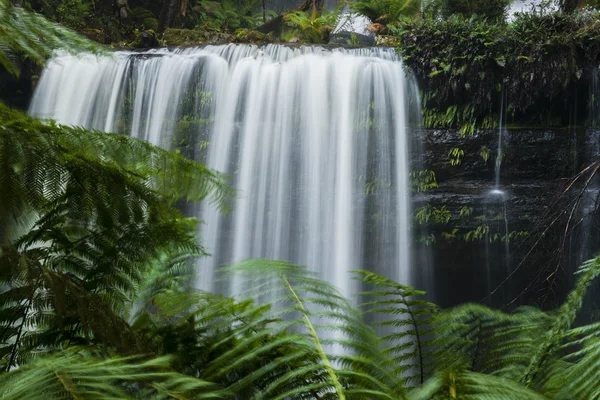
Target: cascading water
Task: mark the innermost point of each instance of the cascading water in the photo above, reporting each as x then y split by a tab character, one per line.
495	211
315	140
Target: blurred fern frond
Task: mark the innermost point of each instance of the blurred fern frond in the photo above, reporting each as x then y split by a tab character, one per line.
83	215
406	321
337	351
77	376
27	34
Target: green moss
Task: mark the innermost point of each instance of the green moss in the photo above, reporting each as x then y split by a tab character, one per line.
244	35
145	39
194	37
183	37
151	23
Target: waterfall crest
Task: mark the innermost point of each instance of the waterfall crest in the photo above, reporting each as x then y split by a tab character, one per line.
315	141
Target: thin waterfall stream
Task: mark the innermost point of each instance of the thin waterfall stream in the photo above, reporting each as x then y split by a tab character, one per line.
495	208
315	140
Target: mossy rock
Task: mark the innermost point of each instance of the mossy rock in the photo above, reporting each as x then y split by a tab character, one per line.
250	36
191	37
183	37
151	23
145	40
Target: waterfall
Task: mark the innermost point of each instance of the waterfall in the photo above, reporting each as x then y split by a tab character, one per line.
496	207
315	141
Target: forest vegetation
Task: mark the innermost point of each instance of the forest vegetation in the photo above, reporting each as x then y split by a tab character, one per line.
96	257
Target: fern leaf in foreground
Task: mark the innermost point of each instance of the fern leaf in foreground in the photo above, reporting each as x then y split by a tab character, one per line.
476	338
70	375
345	353
565	317
405	320
27	34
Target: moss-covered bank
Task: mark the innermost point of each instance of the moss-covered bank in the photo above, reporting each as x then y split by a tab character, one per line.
542	64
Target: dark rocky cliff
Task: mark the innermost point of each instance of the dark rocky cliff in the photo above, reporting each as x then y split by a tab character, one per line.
468	257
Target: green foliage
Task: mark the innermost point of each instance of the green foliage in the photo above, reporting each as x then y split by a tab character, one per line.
541	364
465	211
476	338
88	213
485	153
255	351
423	180
455	154
573	5
470	227
465	117
465	63
78	376
306	304
493	10
70	13
387	11
311	27
227	15
95	265
436	215
406	321
27	34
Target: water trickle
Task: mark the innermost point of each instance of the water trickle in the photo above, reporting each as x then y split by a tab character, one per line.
315	140
499	154
495	211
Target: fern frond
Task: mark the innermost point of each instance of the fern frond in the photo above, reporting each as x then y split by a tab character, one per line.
406	321
471	386
386	10
565	317
97	211
27	34
325	323
70	375
476	338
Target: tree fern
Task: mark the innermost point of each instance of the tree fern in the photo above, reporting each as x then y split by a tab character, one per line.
95	211
406	321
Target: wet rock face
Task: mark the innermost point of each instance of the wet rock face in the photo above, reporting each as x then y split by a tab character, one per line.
486	244
351	39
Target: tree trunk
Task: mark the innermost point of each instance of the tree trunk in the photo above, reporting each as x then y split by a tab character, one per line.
168	14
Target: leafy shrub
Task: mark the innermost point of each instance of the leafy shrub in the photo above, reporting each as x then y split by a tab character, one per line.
227	15
539	59
490	9
70	13
310	27
387	11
